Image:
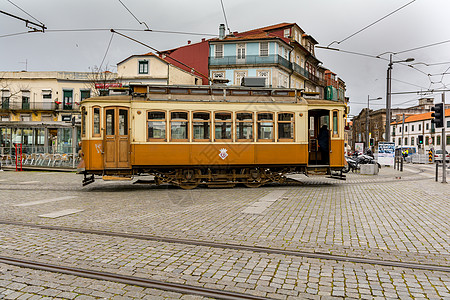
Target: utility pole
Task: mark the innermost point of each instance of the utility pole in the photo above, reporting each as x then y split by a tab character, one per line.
444	156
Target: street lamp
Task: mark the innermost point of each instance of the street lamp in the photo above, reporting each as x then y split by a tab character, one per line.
388	95
368	119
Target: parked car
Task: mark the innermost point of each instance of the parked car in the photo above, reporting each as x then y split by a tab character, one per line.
438	155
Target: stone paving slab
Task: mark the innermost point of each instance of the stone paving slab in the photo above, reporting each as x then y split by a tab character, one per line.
242	271
22	283
393	216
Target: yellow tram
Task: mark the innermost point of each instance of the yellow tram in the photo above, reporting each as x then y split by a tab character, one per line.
218	136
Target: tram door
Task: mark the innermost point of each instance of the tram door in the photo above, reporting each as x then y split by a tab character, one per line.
318	118
116	138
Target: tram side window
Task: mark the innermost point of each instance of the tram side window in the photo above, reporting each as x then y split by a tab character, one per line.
110	122
265	126
285	126
83	121
201	123
223	122
244	126
123	122
179	125
335	123
96	122
156	125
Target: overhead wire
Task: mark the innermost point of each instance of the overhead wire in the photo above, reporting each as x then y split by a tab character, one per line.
25	12
133	15
131	29
225	16
106	52
371	24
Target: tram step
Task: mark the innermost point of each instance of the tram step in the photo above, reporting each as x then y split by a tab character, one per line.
117	178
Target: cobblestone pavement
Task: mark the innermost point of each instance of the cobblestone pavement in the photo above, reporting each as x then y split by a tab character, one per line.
392	216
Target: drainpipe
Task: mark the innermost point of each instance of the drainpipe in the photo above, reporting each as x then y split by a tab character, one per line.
292	69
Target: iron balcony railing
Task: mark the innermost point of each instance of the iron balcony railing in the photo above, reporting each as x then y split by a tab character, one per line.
250	60
261	60
41	106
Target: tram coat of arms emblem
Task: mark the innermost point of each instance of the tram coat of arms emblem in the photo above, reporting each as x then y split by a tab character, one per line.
223	153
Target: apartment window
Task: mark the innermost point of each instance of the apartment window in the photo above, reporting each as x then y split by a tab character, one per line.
285	126
222	125
46	94
420	127
240	51
264	49
85	94
287	32
156	125
67	99
438	140
179	125
5	99
201	122
96	122
448	139
412	128
265	126
218	51
238	75
283	80
265	74
399	141
25	99
143	67
448	124
427	126
218	75
412	141
399	129
406	128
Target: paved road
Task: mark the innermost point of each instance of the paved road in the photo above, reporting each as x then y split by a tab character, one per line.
393	216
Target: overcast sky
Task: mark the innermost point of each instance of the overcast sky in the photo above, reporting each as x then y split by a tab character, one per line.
420	23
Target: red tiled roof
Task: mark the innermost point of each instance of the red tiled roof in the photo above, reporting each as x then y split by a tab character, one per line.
420	117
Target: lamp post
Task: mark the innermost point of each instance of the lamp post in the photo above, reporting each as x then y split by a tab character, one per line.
388	95
368	119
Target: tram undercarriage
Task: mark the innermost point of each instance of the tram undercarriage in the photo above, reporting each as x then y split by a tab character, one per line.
190	178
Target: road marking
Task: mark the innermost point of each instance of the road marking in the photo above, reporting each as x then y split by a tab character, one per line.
61	213
2	179
263	203
44	201
28	182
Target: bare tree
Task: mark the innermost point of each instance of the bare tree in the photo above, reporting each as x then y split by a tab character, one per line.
100	80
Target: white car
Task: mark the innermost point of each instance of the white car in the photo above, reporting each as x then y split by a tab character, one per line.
438	155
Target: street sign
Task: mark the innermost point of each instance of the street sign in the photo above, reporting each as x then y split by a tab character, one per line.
430	141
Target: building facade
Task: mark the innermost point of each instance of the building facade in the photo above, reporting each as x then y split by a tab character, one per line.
152	69
377	122
407	132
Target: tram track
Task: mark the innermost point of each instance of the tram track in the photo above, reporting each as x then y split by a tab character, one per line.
130	280
258	249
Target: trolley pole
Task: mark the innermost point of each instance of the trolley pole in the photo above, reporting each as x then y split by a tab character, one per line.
444	157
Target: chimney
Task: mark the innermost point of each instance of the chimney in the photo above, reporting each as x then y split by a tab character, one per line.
189	42
203	39
221	31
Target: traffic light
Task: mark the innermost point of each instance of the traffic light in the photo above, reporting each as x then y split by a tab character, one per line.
438	115
371	142
420	140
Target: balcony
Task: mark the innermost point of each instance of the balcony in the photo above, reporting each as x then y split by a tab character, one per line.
250	60
37	106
